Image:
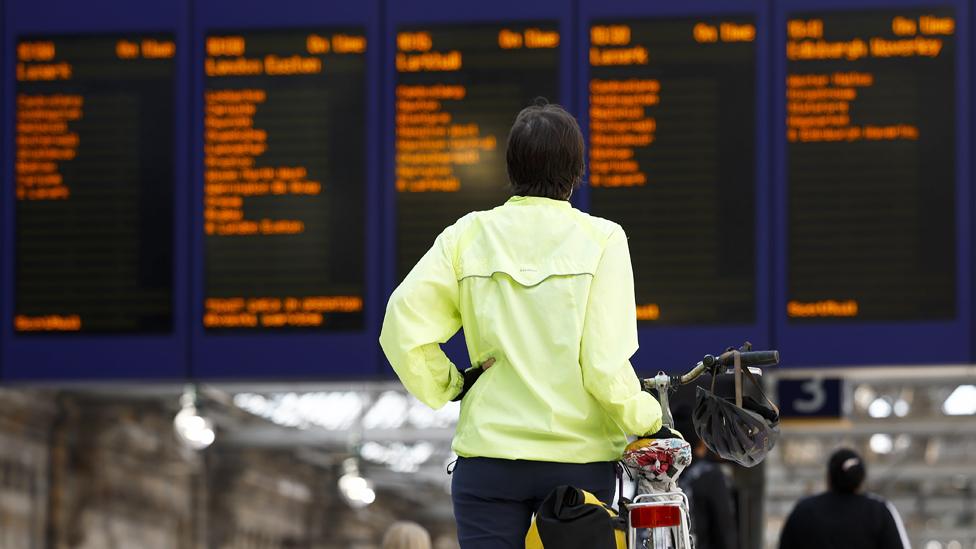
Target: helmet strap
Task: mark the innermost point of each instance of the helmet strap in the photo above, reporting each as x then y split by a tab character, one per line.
738	371
759	387
737	363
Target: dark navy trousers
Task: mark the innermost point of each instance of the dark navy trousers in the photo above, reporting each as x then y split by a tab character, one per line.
494	498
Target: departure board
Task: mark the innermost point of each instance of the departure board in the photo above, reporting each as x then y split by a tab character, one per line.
285	179
672	158
458	89
871	133
93	180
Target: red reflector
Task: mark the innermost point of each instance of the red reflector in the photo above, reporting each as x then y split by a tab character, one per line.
655	517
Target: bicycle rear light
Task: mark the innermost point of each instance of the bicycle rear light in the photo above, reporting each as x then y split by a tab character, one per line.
656	516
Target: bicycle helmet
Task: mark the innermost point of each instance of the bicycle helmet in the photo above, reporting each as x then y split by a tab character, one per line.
743	434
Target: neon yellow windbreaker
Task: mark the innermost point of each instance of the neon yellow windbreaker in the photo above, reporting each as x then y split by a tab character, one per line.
548	292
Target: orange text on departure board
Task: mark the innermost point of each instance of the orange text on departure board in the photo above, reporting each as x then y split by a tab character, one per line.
36	61
622	120
916	37
47	323
43	132
649	311
45	140
233	146
619	124
273	312
227	56
531	38
726	31
819	105
430	143
416	53
822	309
610	45
146	49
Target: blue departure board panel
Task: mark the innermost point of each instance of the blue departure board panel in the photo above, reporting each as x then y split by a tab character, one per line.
872	206
673	101
94	195
285	231
232	189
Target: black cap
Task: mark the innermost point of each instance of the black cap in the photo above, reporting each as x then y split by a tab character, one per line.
846	471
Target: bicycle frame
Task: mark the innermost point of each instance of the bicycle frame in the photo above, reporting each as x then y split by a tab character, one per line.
662	383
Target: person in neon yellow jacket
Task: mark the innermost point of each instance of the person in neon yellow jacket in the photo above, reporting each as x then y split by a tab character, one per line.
545	294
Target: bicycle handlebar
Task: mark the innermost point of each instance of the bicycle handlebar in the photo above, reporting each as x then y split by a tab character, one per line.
711	363
664	383
749	358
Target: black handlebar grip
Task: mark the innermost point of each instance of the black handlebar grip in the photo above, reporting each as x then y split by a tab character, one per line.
760	358
753	358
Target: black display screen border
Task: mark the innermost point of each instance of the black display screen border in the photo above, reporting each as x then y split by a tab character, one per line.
876	343
330	28
175	142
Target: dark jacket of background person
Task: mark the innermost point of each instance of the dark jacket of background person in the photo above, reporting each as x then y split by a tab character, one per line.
841	521
713	517
842	517
712	514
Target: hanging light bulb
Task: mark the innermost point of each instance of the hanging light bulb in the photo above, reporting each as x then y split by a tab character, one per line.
192	428
354	489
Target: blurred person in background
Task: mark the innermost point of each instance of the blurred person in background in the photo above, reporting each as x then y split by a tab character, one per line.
406	535
844	517
545	294
445	541
713	517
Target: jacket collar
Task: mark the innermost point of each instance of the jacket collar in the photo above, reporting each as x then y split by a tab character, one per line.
537	201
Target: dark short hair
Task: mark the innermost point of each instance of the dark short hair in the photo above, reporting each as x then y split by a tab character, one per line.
846	471
545	152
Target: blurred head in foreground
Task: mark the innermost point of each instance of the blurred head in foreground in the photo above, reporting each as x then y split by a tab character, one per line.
545	152
846	472
406	535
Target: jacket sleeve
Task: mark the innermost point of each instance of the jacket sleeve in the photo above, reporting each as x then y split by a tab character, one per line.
422	313
610	339
893	534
